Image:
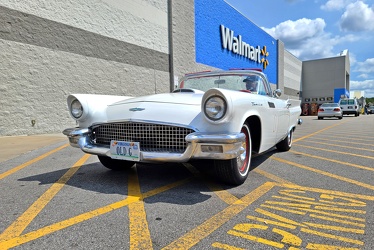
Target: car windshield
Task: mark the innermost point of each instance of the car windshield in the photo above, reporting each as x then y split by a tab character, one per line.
330	105
231	82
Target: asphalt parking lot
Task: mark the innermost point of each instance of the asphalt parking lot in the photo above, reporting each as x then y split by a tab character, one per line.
319	195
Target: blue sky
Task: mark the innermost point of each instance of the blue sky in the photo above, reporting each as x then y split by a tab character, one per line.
315	29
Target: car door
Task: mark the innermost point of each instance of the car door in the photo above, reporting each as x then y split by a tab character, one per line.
278	109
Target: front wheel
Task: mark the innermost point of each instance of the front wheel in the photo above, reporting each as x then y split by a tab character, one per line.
114	164
286	143
235	171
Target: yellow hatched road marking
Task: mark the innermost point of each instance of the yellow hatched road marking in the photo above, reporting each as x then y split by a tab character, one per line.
328	247
336	228
209	226
83	217
272	177
332	236
17	227
13	170
337	220
341	178
226	247
326	191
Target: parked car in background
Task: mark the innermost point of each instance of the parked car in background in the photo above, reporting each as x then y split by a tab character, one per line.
350	106
216	118
330	110
370	110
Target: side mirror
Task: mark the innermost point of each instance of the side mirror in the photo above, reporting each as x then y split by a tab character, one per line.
277	93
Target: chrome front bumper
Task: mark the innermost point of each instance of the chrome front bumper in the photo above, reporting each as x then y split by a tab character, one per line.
200	146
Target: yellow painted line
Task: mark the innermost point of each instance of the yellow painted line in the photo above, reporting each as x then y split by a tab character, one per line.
332	236
334	151
283	209
288	204
17	227
321	202
341	146
195	235
332	214
271	222
354	136
223	194
345	210
337	220
315	246
272	177
332	160
80	218
327	192
15	241
13	170
341	178
165	188
319	131
226	247
140	237
241	230
335	228
343	140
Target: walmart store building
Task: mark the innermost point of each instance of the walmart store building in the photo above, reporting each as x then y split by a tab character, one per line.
50	49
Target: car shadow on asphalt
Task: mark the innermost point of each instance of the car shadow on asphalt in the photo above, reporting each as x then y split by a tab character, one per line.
171	183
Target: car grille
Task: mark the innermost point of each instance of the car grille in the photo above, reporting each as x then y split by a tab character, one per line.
152	137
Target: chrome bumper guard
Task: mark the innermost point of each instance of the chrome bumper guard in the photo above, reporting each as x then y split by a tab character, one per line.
230	146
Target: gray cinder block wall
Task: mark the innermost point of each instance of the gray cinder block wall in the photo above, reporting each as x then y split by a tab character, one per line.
49	49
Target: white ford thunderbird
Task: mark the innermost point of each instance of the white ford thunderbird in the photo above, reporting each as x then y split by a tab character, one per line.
220	118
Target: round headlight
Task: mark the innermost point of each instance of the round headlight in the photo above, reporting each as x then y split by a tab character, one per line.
76	109
215	108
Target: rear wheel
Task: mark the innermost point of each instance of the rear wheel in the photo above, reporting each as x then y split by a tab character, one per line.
114	164
235	171
286	143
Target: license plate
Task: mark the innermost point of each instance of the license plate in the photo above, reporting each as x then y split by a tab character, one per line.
350	107
123	150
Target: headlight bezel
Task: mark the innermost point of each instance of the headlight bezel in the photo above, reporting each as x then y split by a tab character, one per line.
76	112
221	107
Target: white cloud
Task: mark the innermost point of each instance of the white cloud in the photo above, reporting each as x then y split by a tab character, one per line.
366	67
306	38
291	31
365	76
358	16
332	5
367	86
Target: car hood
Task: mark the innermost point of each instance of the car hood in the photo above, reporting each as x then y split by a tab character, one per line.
174	108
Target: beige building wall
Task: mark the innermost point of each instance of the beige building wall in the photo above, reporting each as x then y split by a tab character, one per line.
52	48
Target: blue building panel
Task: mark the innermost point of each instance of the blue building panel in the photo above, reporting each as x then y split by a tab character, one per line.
226	39
340	92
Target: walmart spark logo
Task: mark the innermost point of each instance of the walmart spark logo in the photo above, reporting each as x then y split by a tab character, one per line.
236	45
264	60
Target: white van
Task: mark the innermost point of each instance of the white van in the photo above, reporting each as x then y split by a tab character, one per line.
349	106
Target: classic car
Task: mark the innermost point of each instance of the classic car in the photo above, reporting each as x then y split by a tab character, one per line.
218	118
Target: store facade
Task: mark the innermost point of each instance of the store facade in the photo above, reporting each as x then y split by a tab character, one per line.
122	47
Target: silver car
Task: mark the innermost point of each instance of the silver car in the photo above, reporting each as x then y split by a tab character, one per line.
330	110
